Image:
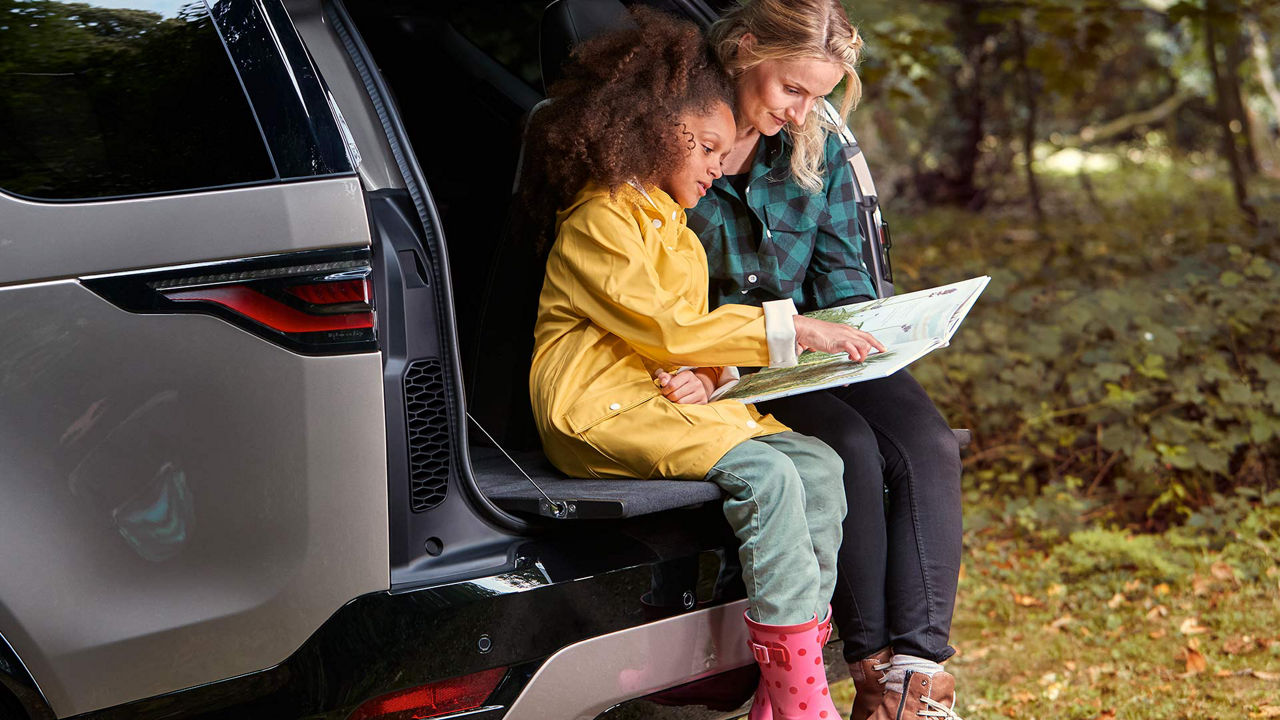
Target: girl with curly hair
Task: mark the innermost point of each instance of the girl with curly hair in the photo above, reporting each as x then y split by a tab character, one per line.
782	223
626	351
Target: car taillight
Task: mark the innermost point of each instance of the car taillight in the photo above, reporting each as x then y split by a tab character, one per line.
315	302
458	694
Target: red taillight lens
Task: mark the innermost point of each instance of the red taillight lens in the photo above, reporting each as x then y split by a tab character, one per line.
459	694
268	311
332	293
314	302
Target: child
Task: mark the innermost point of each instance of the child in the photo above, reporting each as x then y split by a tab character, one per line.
634	134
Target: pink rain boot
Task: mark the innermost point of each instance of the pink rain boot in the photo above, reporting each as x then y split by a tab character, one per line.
761	709
791	670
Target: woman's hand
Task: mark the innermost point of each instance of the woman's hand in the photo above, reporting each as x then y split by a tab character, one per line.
835	338
684	387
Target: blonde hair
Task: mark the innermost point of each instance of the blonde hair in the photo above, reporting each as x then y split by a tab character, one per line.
794	30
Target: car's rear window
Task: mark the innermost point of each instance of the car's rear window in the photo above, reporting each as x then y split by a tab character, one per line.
118	98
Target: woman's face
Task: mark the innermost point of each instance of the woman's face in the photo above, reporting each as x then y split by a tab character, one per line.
709	138
777	92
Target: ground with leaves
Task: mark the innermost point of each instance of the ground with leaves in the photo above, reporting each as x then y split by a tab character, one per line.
1122	550
1109	624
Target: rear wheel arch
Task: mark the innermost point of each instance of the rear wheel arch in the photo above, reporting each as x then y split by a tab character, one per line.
20	697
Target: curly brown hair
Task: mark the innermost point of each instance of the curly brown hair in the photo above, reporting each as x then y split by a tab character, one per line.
615	115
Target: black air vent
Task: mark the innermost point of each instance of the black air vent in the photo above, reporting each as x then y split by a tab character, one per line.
428	428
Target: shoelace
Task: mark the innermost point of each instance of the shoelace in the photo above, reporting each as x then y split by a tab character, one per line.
939	710
880	668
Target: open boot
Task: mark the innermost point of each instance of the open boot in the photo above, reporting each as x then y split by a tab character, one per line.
923	695
868	681
792	671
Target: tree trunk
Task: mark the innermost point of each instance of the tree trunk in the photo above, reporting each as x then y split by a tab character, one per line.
1233	45
1222	91
1262	65
1029	129
1264	136
960	131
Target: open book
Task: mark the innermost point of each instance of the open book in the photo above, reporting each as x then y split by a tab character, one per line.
909	326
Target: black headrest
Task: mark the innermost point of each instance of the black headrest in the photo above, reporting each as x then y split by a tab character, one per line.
565	23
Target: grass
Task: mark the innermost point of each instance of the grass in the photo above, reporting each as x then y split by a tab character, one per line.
1112	626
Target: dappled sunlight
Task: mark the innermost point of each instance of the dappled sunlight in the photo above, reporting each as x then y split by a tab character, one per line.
1070	161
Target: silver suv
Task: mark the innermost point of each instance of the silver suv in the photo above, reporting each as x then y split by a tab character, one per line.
264	437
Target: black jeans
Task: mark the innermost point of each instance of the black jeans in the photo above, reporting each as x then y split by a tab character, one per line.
897	568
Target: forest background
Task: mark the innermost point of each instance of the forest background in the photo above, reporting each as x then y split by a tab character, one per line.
1115	167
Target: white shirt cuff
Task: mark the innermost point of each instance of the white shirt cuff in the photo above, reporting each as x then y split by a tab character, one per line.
728	374
780	332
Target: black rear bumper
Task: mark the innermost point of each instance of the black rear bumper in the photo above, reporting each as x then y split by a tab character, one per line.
595	579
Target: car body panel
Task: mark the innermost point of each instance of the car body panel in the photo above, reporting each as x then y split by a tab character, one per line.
44	241
190	502
635	662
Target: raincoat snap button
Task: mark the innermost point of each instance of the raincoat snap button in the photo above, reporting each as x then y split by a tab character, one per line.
657	223
615	406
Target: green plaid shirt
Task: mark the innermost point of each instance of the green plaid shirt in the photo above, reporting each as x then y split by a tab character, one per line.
811	251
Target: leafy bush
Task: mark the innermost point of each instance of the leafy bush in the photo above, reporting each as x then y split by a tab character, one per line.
1091	553
1124	355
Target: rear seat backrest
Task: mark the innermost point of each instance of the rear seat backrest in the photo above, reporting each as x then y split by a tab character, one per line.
499	386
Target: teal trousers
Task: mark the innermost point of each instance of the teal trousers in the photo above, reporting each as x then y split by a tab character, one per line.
785	501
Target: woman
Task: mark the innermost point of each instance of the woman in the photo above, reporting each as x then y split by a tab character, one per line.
636	133
781	223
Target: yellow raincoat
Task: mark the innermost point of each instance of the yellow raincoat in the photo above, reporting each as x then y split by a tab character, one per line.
625	294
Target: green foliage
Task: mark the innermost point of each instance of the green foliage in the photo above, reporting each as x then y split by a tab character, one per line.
1129	365
1091	553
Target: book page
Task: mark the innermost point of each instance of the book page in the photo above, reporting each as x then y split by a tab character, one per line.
910	326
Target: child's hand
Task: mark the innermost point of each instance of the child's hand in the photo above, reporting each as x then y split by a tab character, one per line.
684	387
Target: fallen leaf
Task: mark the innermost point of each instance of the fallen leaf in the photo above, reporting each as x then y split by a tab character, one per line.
1132	585
1162	589
1263	675
978	654
1027	600
1056	589
1195	661
1224	673
1200	585
1116	601
1061	622
1070	665
1157	634
1266	711
1158	611
1223	571
1239	645
1273	571
1106	715
1192	626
